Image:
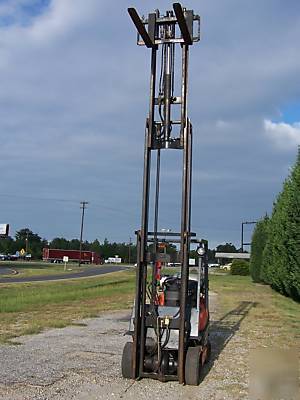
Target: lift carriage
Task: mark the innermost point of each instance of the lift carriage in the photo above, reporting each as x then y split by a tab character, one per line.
170	319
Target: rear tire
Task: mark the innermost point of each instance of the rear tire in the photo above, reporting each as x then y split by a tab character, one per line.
193	366
127	361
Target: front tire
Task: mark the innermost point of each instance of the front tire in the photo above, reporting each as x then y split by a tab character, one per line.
127	361
193	366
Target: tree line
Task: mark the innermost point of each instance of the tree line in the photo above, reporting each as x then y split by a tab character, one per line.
34	244
275	251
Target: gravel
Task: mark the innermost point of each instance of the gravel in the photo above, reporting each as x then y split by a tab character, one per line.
83	363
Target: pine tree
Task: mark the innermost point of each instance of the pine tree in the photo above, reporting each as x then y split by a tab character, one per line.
293	233
281	256
258	243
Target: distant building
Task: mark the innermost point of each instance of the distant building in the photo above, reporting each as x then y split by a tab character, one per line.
223	257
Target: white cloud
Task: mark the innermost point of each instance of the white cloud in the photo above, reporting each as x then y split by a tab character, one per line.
221	124
55	21
62	15
284	135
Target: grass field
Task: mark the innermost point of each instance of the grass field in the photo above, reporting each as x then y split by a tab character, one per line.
30	308
39	268
267	316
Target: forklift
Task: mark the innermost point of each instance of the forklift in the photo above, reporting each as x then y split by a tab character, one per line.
169	325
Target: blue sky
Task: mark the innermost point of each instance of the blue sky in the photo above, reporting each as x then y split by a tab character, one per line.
290	113
21	12
73	103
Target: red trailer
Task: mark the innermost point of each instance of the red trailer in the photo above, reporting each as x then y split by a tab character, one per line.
56	256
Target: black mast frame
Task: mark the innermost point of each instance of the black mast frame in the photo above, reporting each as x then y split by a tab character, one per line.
176	27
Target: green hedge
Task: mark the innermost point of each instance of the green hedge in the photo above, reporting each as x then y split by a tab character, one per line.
240	267
275	258
259	240
281	257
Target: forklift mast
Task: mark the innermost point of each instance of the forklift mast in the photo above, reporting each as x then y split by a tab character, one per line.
167	128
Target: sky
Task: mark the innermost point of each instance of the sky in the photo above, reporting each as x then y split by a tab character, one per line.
74	99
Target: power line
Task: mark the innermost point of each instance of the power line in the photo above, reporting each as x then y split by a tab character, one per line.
37	198
49	199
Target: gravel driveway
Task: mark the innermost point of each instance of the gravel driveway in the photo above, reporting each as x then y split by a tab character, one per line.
83	363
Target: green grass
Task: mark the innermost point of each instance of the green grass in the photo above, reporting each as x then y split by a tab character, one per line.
28	264
29	308
272	317
39	268
29	297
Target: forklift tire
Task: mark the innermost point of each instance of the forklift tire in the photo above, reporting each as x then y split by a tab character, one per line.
127	361
208	352
193	366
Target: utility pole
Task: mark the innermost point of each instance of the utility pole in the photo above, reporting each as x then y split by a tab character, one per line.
165	244
242	235
26	241
83	205
129	250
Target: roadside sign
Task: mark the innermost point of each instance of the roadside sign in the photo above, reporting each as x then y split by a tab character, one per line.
65	260
22	252
4	229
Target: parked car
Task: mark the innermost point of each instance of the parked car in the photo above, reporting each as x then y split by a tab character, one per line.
174	264
12	257
226	267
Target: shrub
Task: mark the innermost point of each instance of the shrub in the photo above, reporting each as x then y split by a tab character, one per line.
240	267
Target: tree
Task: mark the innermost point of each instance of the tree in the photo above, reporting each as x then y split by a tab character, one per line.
211	254
292	284
7	245
74	244
26	233
26	239
258	243
96	246
105	248
227	248
281	256
59	243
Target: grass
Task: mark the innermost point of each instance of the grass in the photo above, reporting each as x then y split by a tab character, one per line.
29	308
271	317
38	268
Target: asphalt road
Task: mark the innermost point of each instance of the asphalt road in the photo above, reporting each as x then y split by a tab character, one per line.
90	271
6	271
